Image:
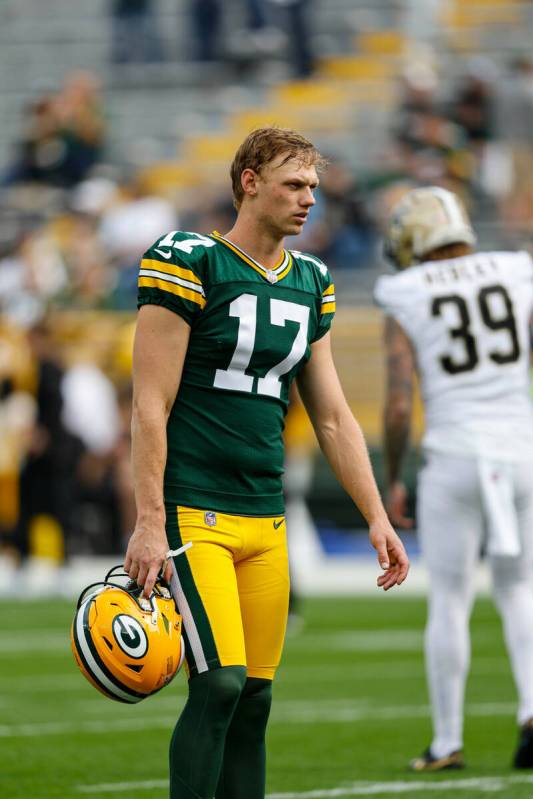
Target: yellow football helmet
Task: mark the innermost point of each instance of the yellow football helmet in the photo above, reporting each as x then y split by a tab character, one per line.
424	220
127	646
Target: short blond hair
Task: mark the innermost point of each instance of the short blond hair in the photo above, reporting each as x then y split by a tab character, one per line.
262	146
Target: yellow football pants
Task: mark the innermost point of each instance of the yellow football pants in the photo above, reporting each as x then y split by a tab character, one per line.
231	587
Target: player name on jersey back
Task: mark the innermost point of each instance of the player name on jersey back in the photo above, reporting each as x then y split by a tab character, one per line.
468	321
449	273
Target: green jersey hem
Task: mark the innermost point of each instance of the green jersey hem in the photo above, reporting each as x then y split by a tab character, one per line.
236	504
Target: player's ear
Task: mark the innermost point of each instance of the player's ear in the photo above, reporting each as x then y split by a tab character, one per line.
249	180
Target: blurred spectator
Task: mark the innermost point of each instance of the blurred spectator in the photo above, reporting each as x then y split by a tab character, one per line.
421	124
47	478
350	235
206	19
91	276
121	469
128	228
81	120
63	136
91	412
41	153
272	27
206	23
17	414
211	213
90	407
297	17
473	104
340	229
431	147
516	206
32	274
134	32
515	103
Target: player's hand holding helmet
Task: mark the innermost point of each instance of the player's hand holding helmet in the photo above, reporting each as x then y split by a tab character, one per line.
127	646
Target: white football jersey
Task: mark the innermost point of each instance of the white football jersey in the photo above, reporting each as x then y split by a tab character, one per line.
468	321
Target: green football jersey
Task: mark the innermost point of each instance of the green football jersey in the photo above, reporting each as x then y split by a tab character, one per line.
251	330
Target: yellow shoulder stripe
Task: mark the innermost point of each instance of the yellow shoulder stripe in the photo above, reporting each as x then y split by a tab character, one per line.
328	307
329	290
170	269
172	288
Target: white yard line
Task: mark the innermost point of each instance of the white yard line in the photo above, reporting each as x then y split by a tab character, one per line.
481	784
295	712
389	640
34	641
346	640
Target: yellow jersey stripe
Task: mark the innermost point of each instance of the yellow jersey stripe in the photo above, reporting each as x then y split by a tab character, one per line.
172	288
329	290
328	307
170	269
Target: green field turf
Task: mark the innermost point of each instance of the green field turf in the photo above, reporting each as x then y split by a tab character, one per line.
350	710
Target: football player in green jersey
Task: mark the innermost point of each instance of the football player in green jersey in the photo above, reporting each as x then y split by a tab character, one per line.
226	323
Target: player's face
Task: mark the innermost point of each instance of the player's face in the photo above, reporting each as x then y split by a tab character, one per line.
285	195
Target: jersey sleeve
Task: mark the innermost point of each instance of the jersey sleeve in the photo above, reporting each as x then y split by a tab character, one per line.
327	300
327	311
172	275
394	295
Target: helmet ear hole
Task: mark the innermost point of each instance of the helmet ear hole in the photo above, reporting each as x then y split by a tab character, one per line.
125	649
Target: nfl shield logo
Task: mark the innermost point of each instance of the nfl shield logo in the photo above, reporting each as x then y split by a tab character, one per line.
210	518
271	276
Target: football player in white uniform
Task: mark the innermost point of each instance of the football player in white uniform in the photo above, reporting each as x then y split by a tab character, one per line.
461	320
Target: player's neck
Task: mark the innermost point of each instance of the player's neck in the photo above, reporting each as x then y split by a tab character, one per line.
261	245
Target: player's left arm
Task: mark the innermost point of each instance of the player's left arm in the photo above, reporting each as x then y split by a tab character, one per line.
400	372
342	441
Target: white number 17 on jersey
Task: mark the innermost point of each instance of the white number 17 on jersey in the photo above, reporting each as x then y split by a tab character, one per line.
245	309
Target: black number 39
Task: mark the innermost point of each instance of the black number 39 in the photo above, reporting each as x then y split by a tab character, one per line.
463	333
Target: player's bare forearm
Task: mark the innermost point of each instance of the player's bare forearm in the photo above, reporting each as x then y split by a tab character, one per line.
338	433
395	445
400	369
148	455
342	441
159	352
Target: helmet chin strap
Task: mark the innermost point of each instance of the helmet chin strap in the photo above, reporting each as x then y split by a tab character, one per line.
173	552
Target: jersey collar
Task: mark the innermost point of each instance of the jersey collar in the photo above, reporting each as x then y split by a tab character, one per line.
273	275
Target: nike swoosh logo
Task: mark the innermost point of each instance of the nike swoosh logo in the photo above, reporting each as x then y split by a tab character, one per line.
166	255
278	524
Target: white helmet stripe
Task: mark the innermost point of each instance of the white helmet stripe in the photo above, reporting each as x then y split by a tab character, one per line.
455	217
94	668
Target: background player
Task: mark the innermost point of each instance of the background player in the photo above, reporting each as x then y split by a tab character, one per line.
225	324
462	320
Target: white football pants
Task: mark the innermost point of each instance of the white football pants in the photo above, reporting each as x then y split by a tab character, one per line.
454	500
